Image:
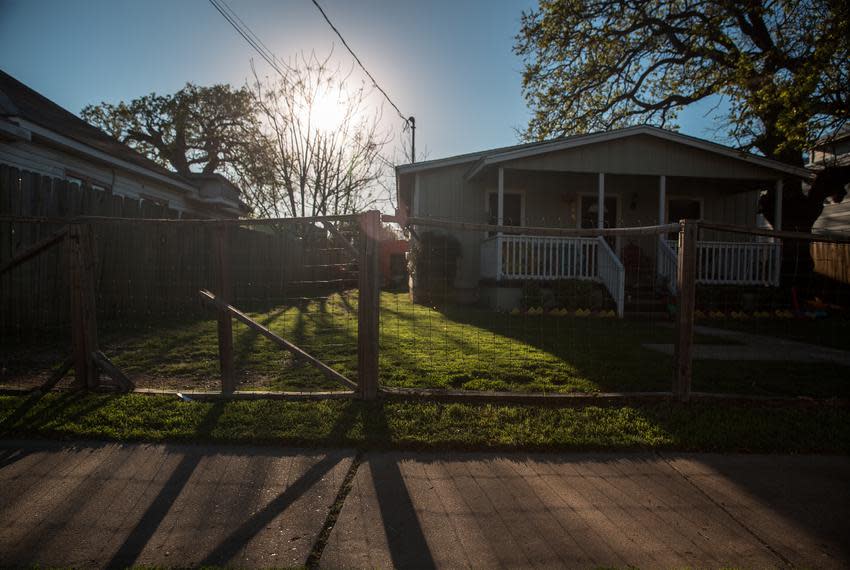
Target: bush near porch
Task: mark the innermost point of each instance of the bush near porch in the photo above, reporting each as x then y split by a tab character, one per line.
568	294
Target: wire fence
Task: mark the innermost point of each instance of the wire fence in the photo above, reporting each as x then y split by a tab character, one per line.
541	310
293	305
782	326
557	310
299	280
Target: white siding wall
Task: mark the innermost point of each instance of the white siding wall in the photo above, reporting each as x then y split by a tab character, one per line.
835	218
53	162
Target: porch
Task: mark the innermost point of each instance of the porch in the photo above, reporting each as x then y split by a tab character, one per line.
544	258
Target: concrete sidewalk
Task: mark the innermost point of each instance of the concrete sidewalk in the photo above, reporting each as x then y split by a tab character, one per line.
115	505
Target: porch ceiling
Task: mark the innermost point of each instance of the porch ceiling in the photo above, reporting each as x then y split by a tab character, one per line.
530	180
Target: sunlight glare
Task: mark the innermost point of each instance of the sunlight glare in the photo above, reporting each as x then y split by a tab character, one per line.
328	110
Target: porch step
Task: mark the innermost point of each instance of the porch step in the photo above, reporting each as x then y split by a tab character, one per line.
645	302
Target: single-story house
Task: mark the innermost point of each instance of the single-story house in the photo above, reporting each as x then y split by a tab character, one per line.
833	150
39	136
642	176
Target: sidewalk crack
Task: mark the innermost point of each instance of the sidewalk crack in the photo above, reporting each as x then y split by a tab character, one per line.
315	555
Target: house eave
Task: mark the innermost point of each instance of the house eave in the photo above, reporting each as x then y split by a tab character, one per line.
573	142
81	149
11	130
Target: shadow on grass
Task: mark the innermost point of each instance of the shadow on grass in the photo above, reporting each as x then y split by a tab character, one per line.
472	348
38	416
519	353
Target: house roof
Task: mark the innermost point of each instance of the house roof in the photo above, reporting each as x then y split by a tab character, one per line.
21	102
18	100
495	156
837	135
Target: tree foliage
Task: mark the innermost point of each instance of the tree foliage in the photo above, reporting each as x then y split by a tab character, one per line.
269	137
196	129
783	66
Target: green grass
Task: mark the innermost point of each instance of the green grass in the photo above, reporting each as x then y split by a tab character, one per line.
457	348
417	425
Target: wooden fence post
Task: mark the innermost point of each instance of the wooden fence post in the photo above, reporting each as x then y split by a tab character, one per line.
368	306
81	260
225	321
686	282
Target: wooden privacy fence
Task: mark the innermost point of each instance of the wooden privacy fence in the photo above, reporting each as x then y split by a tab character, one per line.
832	260
34	297
228	258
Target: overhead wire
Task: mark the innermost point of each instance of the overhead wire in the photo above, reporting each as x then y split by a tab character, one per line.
247	34
360	63
257	44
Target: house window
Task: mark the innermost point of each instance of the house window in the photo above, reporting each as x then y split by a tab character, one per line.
512	209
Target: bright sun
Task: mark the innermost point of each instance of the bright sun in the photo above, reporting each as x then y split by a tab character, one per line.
328	110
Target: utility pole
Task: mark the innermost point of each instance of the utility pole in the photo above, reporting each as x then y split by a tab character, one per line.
412	121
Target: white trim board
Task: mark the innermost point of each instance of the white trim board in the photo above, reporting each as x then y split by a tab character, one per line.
491	157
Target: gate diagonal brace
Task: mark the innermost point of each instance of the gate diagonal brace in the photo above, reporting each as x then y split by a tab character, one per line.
107	367
280	341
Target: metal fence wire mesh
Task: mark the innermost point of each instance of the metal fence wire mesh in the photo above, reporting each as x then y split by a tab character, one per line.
782	329
297	279
541	309
527	313
545	312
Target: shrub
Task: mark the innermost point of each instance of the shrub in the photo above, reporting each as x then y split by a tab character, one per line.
432	264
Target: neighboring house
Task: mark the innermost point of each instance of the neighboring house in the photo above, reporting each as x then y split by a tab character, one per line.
833	150
39	136
641	175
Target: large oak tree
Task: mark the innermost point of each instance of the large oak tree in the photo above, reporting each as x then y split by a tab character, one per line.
782	68
197	129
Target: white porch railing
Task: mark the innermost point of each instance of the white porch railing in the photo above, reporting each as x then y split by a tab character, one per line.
665	263
546	258
538	257
737	263
611	273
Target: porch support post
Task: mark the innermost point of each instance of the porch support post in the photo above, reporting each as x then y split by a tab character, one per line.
500	213
416	195
662	198
500	218
686	266
600	202
777	209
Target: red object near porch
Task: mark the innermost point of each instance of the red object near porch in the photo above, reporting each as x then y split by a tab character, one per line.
392	261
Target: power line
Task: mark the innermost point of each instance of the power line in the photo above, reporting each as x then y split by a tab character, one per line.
360	63
247	34
255	42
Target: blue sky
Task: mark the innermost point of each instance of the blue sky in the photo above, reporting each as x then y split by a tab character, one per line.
449	63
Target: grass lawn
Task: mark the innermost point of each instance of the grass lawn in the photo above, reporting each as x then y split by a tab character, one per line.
461	348
416	425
